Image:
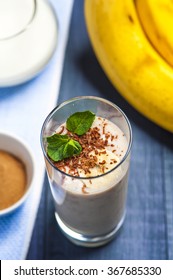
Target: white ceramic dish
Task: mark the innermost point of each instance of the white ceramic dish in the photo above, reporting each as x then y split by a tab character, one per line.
20	149
28	39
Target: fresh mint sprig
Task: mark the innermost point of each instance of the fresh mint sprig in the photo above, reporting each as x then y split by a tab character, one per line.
62	146
80	122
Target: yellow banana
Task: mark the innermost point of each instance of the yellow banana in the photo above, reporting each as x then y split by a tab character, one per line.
156	18
131	62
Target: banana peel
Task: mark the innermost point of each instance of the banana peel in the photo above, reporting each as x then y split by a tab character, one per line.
131	62
156	17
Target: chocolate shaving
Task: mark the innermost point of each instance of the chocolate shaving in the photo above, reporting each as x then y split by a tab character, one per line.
84	189
61	131
93	144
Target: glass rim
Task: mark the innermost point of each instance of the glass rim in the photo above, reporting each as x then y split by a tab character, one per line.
23	29
79	98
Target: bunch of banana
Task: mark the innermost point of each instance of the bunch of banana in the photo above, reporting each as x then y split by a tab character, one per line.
133	41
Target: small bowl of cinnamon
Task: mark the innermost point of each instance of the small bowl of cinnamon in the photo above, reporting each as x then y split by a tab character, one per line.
16	172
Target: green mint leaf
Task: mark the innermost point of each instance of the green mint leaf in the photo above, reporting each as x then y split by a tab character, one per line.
80	122
72	148
62	146
56	140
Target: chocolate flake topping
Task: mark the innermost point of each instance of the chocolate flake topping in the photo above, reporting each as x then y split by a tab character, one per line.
92	141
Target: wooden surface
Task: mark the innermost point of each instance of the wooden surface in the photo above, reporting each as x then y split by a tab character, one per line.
148	229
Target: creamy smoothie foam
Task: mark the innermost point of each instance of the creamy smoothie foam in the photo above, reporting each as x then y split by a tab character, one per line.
93	204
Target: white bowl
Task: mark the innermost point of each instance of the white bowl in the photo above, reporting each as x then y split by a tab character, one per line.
17	147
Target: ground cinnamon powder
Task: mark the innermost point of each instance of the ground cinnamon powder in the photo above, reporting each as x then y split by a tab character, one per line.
12	179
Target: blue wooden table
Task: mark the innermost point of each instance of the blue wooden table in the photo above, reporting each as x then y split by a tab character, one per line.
148	229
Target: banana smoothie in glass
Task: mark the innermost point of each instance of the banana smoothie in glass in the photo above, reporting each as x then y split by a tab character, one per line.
87	156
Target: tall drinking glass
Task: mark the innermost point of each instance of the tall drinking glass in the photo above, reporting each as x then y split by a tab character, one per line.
90	218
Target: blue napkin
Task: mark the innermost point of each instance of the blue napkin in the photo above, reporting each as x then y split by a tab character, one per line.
23	109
